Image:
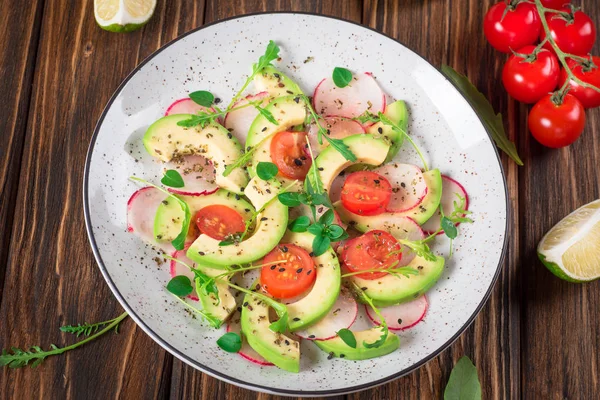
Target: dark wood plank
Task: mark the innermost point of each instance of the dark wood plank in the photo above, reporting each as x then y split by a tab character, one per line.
51	277
560	320
492	342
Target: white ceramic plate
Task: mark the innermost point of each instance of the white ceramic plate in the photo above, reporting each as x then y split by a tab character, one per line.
217	58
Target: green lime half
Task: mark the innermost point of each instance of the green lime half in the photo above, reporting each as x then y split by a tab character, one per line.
123	15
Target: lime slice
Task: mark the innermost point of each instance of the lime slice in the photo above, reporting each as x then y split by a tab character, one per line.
123	15
571	250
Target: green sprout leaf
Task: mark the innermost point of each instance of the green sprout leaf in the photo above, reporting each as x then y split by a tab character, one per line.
327	218
347	337
290	199
266	170
281	324
173	179
202	97
335	232
449	228
316	229
320	244
464	382
300	224
266	113
231	342
341	77
271	54
180	286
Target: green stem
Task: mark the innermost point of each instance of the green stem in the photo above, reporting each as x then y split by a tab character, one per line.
115	322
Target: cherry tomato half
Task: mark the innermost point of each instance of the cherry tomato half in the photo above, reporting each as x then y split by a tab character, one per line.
366	193
291	278
519	27
589	98
529	80
288	152
373	250
557	125
575	34
219	221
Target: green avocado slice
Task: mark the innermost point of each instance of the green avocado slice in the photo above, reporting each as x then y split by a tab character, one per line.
338	348
397	112
271	80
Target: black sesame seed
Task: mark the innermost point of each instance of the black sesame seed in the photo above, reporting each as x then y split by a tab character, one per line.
311	336
281	269
309	272
299	271
399	321
298	162
264	218
264	129
284	249
217	100
237	197
229	135
201	253
380	130
246	304
296	319
342	355
330	356
403	184
273	267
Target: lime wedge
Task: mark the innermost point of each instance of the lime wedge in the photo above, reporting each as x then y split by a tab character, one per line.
123	15
571	249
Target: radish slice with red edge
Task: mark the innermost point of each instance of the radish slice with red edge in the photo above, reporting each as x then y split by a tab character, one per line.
362	94
451	189
247	352
141	210
177	269
342	315
335	192
198	175
337	128
406	228
186	106
239	121
401	316
408	185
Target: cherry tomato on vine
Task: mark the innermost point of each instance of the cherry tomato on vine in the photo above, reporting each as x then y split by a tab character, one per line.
555	4
589	73
528	77
573	33
509	27
557	124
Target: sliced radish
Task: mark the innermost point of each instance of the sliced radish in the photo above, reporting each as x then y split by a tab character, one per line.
180	269
335	192
198	175
408	185
246	351
451	189
401	316
362	94
337	128
185	106
141	210
342	315
238	121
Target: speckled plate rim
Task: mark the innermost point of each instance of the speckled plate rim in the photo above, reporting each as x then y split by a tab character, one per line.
244	384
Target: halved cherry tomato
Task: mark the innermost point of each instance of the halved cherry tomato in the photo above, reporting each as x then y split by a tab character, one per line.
373	250
528	79
557	125
513	28
589	98
219	221
366	193
575	34
288	152
291	278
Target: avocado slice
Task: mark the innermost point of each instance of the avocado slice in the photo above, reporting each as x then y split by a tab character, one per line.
316	304
168	220
271	225
165	140
419	214
397	112
275	347
390	289
271	80
338	348
220	306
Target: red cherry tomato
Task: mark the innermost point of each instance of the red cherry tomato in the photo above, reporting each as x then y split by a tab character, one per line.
366	193
589	98
555	4
519	27
557	125
288	152
218	221
290	278
530	80
574	34
373	250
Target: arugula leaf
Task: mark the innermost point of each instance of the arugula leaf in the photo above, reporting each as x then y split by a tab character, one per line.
491	120
231	342
449	228
347	337
241	162
208	317
341	77
86	329
327	218
172	178
232	238
203	119
271	54
320	244
202	97
266	113
420	248
300	224
367	116
180	286
266	170
281	309
205	284
341	148
464	382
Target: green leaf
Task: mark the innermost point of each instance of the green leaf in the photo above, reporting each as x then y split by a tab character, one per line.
231	342
491	120
367	116
300	224
266	170
180	286
320	245
341	77
281	324
172	178
179	241
341	148
202	97
335	232
347	337
202	119
316	228
327	218
321	199
271	54
289	199
241	162
449	228
464	382
266	113
383	324
205	284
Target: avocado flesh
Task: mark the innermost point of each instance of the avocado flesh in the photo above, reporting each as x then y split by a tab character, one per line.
420	214
274	347
271	80
390	289
338	348
316	304
165	140
168	220
397	113
271	225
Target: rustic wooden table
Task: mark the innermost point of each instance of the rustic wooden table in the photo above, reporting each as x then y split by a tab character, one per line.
537	337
